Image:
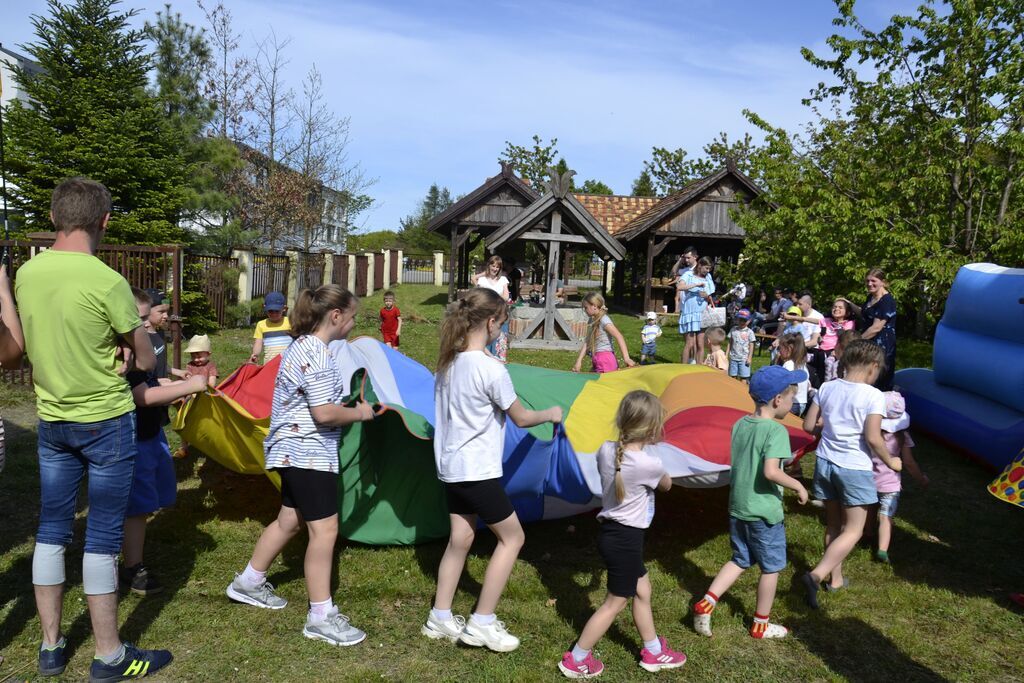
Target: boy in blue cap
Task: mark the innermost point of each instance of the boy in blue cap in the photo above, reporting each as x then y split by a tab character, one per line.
273	335
756	528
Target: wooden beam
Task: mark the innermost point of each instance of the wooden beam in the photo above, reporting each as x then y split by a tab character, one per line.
649	269
453	256
660	246
547	237
551	275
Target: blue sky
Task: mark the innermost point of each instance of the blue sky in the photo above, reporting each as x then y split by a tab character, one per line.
434	89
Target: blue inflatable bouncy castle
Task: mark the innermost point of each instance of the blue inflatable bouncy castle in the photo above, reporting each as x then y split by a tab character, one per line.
974	398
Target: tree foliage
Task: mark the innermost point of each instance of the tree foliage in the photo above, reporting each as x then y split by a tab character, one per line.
643	186
595	187
413	235
669	171
91	114
911	163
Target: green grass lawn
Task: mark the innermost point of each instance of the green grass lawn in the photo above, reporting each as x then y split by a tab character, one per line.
940	612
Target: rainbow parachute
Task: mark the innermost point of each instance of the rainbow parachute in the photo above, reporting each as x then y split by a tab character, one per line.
390	493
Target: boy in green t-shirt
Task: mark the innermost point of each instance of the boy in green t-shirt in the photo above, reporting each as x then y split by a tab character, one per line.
756	528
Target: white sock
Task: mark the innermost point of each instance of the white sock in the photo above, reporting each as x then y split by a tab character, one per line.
318	610
653	646
484	619
441	614
578	653
251	577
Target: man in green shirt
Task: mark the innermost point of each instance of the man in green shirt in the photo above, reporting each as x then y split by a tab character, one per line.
756	529
81	325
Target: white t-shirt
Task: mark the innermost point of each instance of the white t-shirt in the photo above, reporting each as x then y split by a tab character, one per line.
640	476
497	285
845	407
469	418
801	388
809	329
307	378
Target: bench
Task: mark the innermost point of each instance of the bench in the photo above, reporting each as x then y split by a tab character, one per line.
761	339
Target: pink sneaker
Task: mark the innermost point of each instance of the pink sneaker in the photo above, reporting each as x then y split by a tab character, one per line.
590	667
668	659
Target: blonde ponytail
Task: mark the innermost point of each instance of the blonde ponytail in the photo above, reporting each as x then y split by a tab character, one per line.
475	308
620	486
594	299
640	419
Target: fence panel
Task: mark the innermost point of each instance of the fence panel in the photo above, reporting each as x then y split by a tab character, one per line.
270	274
393	263
311	270
362	270
418	269
378	271
218	290
340	272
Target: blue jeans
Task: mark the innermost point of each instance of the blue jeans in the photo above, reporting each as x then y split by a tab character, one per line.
760	542
67	450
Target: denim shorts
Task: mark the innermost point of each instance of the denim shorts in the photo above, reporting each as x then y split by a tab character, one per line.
758	542
154	485
68	451
888	502
850	487
649	349
739	368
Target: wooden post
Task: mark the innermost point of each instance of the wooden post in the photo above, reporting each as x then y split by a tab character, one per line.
649	272
552	274
176	263
453	257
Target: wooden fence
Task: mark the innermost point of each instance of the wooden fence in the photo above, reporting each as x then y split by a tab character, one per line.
270	274
311	270
215	278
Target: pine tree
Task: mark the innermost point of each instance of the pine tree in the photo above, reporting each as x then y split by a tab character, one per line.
90	114
643	186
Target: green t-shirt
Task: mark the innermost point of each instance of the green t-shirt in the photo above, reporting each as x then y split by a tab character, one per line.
73	307
751	496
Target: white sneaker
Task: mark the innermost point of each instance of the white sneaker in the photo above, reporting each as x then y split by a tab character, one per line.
436	629
334	629
702	624
493	636
774	631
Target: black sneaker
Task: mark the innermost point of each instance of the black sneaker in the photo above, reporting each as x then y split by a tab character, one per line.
53	661
136	663
139	580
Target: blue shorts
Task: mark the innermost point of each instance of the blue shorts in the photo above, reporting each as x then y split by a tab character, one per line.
888	502
739	368
154	485
649	349
850	487
758	542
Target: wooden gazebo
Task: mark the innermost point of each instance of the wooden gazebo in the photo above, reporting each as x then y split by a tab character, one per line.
699	215
555	219
478	214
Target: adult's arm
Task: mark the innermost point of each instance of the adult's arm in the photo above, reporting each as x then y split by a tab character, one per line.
876	326
12	339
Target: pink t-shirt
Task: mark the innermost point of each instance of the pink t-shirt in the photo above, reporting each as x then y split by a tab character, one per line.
830	331
640	476
886	480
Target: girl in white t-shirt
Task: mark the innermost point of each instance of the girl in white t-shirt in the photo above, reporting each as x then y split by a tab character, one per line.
792	355
472	394
850	412
629	477
302	447
491	278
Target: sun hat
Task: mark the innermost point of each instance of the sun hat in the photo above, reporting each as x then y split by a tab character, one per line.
772	380
274	301
896	418
651	315
198	343
794	310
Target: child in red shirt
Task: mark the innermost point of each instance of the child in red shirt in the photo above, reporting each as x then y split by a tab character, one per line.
390	320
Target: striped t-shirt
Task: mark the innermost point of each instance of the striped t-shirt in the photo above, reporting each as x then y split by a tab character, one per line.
276	337
307	378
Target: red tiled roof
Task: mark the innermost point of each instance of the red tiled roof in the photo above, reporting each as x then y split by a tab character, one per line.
613	212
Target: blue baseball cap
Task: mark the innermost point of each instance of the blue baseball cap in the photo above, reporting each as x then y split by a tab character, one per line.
772	380
274	301
743	314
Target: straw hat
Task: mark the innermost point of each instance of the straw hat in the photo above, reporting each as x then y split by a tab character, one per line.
198	343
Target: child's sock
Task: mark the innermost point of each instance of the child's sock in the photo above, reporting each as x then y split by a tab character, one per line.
318	610
653	646
706	605
760	624
578	653
253	578
483	619
442	615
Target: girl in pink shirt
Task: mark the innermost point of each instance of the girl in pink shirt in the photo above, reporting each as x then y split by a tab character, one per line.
833	326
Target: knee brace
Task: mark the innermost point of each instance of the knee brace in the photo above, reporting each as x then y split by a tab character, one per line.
99	574
48	565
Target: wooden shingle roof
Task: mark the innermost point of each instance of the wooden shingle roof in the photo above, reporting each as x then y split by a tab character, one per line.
614	212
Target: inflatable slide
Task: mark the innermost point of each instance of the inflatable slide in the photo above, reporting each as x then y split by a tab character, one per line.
389	489
974	397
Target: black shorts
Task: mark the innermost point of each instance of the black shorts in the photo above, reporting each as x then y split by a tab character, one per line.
312	492
486	499
622	549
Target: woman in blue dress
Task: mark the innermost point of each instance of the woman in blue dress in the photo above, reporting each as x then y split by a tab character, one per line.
694	290
878	323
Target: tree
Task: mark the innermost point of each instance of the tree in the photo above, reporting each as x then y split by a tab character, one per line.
912	160
670	171
228	83
373	241
643	186
532	163
595	187
90	114
414	235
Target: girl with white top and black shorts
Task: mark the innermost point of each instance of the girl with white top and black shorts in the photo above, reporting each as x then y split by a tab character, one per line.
472	394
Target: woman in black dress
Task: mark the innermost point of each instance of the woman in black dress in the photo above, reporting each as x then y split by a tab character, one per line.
878	323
